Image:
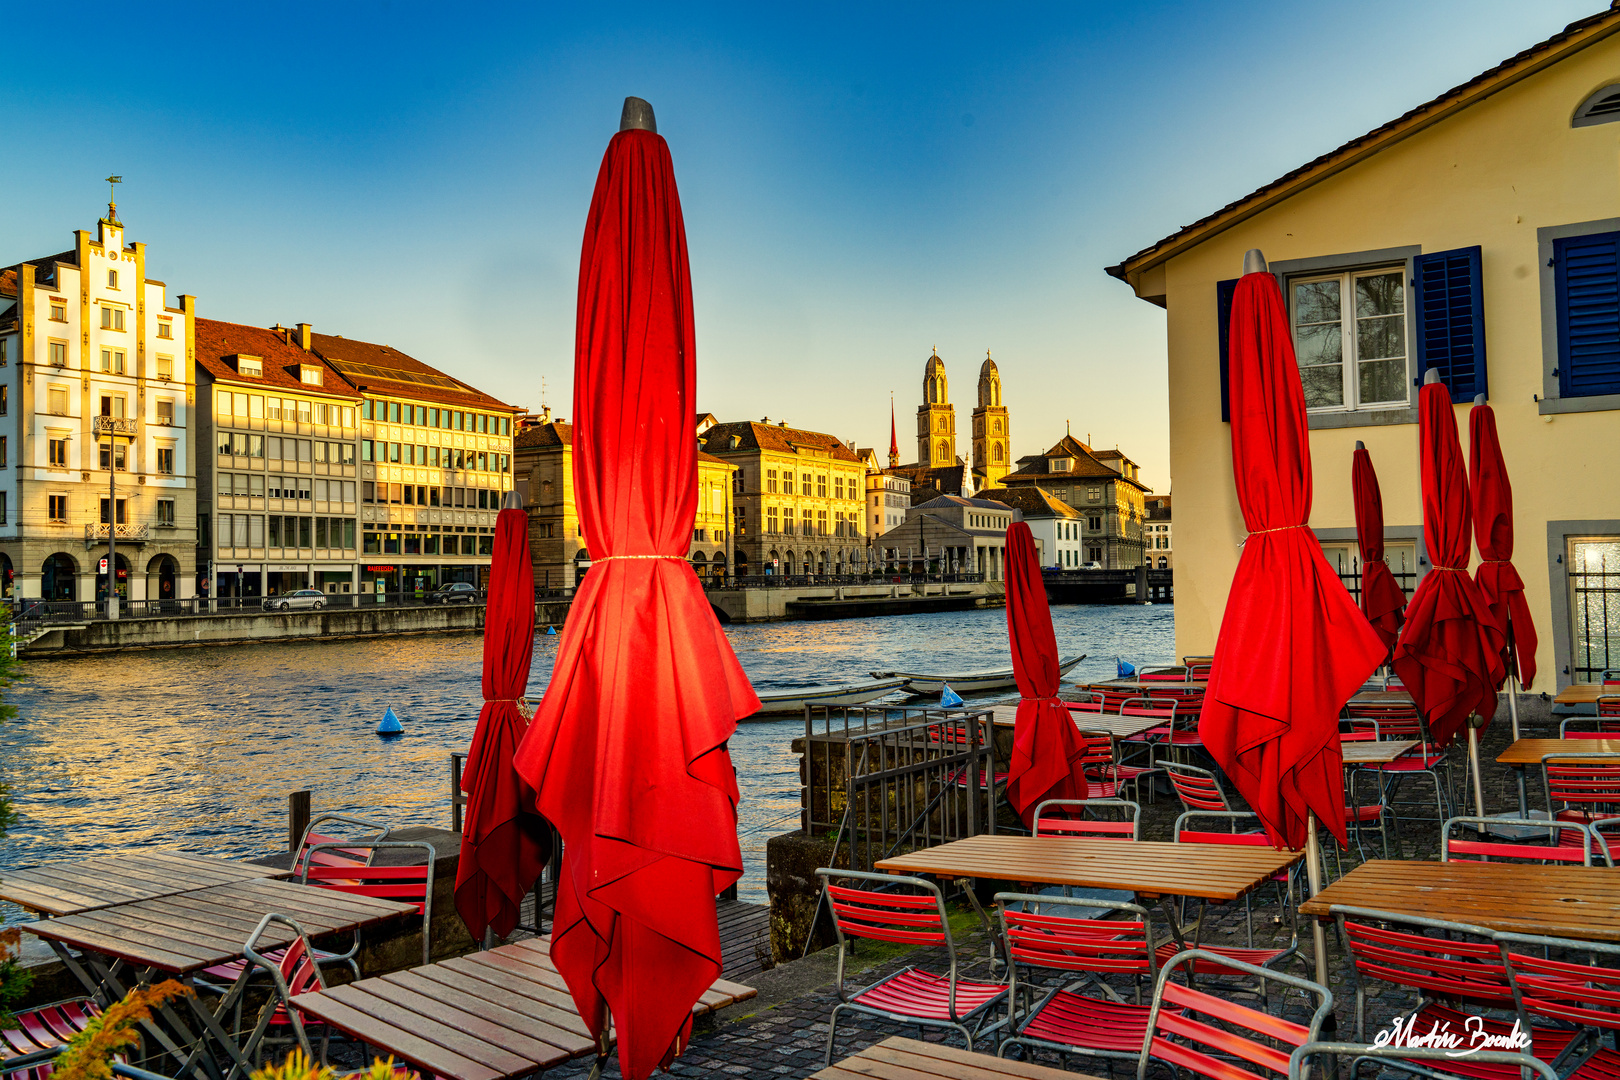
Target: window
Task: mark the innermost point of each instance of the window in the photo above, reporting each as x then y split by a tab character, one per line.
821	486
112	405
58	311
309	375
165	368
165	462
58	509
58	398
1586	275
113	454
59	353
122	504
770	519
58	448
165	411
1094	494
250	365
787	483
1062	464
5	399
1350	339
112	318
165	329
112	279
165	513
4	459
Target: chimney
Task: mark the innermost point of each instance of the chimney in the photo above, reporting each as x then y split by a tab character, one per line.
303	336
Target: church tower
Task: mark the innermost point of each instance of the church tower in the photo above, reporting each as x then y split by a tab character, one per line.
992	456
936	420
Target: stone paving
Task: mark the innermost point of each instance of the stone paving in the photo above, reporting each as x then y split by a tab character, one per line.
785	1032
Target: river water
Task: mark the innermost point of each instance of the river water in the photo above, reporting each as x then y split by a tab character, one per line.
197	748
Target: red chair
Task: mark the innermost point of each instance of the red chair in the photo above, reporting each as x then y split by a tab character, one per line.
1605	725
1210	1036
1401	721
1585	996
909	996
412	884
1572	844
1582	787
293	970
1198	789
1073	821
1173	674
33	1040
1199	672
1062	1020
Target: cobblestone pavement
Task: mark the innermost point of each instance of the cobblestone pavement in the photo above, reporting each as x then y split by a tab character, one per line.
788	1038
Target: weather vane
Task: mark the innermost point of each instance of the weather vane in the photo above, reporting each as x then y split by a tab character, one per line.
112	197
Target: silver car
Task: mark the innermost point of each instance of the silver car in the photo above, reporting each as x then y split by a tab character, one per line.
302	598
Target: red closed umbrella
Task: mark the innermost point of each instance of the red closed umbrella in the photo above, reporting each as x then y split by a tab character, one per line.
1492	498
1382	600
503	846
1293	646
1047	748
1449	652
627	750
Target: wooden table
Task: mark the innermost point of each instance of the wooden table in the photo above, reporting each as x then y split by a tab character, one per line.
897	1058
1580	902
1141	686
182	934
1382	697
65	888
1120	727
1375	751
1585	693
1526	752
485	1016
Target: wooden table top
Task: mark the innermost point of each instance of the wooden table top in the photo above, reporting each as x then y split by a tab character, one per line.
1149	868
1531	751
1375	751
1585	693
1120	727
65	888
485	1016
897	1058
1144	686
187	932
1382	697
1559	901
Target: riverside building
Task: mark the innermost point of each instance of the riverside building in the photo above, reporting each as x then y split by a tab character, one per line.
96	392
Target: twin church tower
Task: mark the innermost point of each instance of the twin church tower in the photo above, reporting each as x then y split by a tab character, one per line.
936	426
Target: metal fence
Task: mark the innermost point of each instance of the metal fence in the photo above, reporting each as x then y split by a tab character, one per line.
880	781
1349	570
800	581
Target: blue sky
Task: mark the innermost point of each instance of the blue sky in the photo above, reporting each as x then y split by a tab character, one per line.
860	182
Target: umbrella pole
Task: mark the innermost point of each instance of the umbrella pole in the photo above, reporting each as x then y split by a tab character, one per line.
1473	764
1313	873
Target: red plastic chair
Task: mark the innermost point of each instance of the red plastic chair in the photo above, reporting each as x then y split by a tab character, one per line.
1162	675
1401	721
1602	726
403	884
1199	672
30	1044
1073	822
909	996
1585	996
1582	787
1210	1036
1198	789
1062	1020
1573	842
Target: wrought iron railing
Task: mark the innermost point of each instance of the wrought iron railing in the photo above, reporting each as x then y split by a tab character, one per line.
1594	585
878	781
116	425
126	531
800	581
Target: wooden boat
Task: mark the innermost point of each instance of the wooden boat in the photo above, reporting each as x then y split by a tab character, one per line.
967	682
793	701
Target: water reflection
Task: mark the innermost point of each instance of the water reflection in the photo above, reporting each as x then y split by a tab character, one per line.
197	749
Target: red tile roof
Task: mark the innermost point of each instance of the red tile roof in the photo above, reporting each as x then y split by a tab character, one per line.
385	371
1085	464
556	433
756	436
8	283
218	340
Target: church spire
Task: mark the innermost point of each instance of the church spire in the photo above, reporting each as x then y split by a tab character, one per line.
894	441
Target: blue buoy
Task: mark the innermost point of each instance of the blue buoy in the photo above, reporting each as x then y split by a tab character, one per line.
949	698
551	631
1125	670
389	724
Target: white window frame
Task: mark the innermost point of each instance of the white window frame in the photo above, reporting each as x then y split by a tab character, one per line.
1350	360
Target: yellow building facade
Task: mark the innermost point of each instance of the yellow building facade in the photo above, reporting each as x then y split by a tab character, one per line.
1477	233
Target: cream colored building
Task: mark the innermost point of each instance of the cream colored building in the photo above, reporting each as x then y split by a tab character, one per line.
800	499
544	453
1477	234
96	385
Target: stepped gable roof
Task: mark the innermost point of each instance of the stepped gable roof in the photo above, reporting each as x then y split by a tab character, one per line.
753	435
384	370
1577	35
8	276
1034	501
216	341
555	433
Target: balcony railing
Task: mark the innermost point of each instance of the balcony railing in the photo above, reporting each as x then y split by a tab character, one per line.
116	425
125	532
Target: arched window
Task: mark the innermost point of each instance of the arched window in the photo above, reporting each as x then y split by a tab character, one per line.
996	453
995	426
944	451
1600	108
1164	563
942	423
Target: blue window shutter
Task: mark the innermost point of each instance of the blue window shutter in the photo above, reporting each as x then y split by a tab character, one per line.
1586	271
1224	291
1451	320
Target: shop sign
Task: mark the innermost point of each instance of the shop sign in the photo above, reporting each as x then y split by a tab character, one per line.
379	569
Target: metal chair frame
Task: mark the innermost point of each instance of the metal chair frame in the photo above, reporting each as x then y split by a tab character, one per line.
1404	1058
382	882
306	973
1080	827
1601	778
1093	946
1585	996
1486	848
1185	1025
912	919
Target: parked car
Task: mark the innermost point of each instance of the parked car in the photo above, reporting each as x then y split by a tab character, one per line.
1091	565
456	592
303	598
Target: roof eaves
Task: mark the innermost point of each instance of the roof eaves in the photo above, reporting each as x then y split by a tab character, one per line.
1574	37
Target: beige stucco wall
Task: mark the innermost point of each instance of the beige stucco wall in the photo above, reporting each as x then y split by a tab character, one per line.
1491	175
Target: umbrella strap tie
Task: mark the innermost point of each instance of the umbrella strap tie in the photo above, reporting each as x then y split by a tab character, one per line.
1495	562
1260	532
610	558
1453	569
